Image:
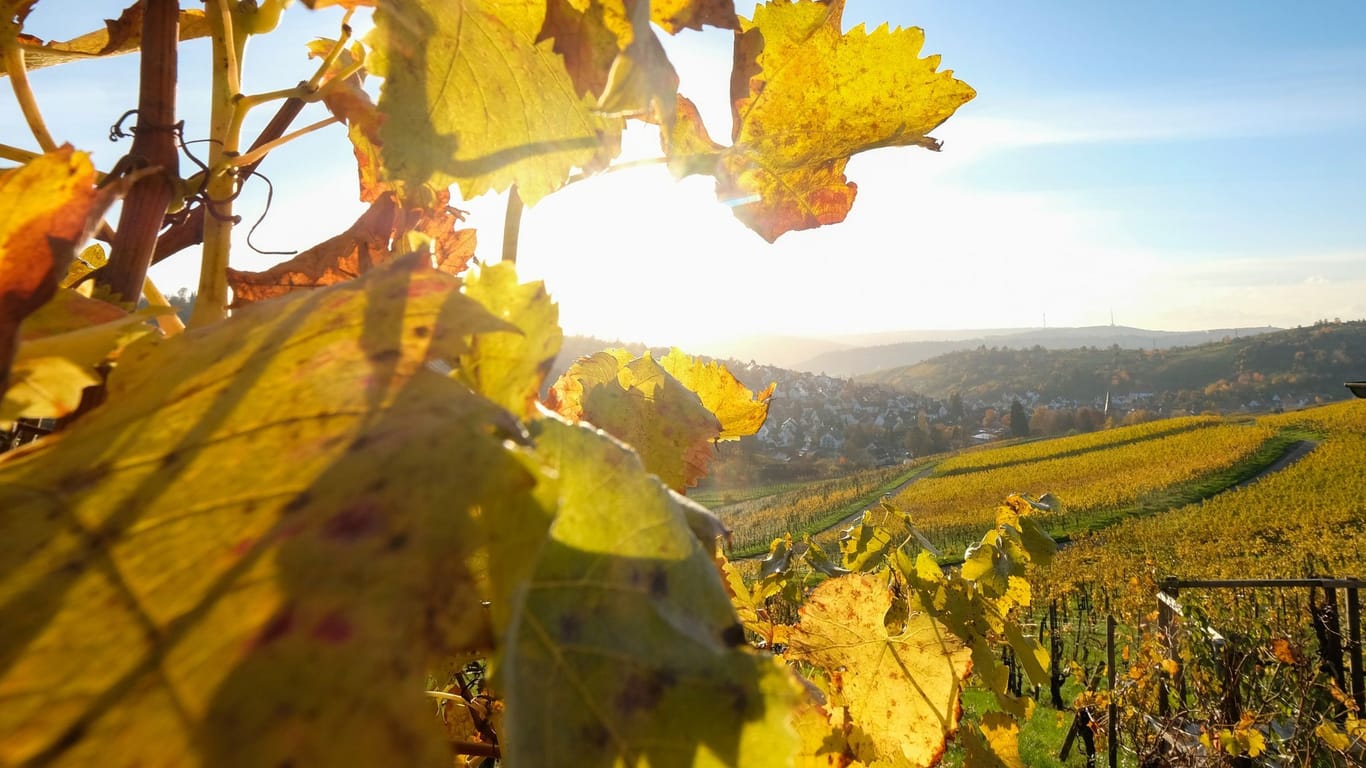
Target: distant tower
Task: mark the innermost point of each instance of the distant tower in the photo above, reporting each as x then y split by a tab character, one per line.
1112	318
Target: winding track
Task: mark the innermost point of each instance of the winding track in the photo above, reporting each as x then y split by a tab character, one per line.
1293	453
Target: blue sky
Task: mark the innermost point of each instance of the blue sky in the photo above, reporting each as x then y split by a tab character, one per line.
1184	165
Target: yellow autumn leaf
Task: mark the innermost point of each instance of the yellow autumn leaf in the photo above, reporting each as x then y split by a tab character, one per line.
823	744
49	202
740	411
470	96
61	345
509	368
1333	736
993	743
249	549
808	96
670	410
901	688
622	648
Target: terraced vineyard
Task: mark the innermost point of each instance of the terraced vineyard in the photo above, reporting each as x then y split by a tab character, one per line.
994	458
1096	486
1307	517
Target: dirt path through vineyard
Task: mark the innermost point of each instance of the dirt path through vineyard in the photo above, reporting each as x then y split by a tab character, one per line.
1296	451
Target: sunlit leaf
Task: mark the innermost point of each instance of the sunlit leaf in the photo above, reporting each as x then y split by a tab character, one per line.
249	549
994	743
61	344
674	15
89	260
823	744
509	368
121	35
1032	656
902	688
865	545
687	145
740	411
612	54
638	401
49	204
680	687
807	96
470	97
351	103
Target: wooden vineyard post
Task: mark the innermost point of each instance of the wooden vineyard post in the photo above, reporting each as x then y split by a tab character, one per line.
1112	715
1354	647
1164	627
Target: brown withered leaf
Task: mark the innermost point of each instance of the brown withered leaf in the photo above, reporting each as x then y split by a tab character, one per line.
366	244
349	102
611	52
674	15
119	36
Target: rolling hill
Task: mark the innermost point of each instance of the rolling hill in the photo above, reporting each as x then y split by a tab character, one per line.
1302	364
908	351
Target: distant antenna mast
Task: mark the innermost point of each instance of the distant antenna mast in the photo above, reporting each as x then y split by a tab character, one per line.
1112	317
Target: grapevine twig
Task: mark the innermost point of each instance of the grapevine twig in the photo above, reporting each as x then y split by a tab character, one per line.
224	136
255	155
154	145
23	92
512	225
18	155
169	324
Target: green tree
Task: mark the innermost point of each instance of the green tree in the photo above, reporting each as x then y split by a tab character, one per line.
1019	420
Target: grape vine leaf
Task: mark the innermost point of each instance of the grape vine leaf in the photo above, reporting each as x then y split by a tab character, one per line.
902	687
687	146
675	15
637	401
612	54
993	743
364	245
740	411
51	201
90	259
119	36
806	97
60	345
680	688
509	368
349	102
470	97
244	555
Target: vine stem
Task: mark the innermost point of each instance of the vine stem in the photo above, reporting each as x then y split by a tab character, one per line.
224	137
23	92
169	324
154	146
18	155
255	155
512	225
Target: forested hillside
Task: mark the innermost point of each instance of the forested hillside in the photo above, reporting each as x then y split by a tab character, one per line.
1286	369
